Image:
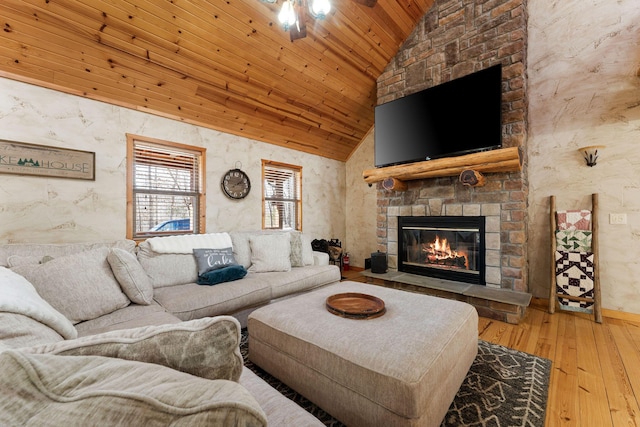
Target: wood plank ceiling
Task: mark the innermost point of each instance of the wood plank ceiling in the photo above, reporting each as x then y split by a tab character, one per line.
222	64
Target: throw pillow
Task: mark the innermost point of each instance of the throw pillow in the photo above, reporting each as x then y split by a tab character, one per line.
221	275
18	260
131	276
80	286
207	347
296	249
213	259
45	389
307	250
270	252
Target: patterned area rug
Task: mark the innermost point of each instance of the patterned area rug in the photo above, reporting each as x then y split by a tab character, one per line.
504	387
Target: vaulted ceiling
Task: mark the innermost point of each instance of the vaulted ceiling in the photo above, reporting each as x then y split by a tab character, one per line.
222	64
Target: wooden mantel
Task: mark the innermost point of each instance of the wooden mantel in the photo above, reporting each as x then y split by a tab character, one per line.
500	160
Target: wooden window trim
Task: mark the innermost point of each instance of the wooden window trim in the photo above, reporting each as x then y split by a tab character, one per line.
295	168
131	138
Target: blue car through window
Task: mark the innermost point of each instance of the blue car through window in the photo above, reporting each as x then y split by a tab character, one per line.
174	225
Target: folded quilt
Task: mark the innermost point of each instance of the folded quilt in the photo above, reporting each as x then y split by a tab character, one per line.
19	296
574	220
186	244
573	240
574	277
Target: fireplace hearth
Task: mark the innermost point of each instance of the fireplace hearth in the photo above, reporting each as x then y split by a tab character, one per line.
444	247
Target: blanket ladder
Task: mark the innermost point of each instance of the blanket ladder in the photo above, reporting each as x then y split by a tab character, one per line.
554	295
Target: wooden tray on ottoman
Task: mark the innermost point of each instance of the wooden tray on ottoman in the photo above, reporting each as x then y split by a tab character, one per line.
355	305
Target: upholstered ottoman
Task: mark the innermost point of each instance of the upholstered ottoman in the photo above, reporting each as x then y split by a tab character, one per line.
400	369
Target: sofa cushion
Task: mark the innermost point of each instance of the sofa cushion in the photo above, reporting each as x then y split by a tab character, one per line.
17	260
131	316
307	250
17	330
192	301
270	252
213	258
131	276
241	247
185	244
301	250
221	275
81	286
167	269
35	252
301	279
18	296
207	348
46	389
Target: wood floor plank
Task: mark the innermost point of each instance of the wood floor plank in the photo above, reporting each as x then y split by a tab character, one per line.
628	354
623	406
592	393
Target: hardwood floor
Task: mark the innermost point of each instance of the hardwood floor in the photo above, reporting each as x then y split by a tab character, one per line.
595	377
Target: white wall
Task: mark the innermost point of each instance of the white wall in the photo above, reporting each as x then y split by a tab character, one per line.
361	205
584	89
37	209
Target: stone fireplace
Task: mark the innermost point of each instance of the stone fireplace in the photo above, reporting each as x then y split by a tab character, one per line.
452	40
501	203
446	247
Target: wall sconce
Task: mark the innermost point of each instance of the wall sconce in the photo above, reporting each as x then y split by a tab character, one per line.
591	154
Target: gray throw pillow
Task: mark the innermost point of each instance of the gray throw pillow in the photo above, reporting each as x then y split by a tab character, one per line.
131	276
212	259
81	286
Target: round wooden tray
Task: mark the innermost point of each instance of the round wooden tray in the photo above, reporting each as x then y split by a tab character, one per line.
355	305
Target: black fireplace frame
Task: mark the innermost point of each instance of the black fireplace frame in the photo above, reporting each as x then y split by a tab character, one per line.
444	222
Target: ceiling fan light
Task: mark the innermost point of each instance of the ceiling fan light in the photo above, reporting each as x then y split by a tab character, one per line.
319	8
287	15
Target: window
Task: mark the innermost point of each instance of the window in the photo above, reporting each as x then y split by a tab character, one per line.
165	188
281	196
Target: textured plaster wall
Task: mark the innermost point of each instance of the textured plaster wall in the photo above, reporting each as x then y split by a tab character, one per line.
360	205
37	209
584	89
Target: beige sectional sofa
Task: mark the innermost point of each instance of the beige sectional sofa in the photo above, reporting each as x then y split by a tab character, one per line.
135	308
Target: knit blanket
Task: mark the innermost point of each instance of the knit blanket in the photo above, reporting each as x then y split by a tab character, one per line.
19	296
187	243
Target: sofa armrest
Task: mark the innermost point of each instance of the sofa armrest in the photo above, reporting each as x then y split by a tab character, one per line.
320	258
207	347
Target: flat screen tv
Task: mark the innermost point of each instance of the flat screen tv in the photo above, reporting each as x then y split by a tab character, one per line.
457	117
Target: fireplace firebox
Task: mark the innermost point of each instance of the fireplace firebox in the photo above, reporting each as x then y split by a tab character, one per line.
445	247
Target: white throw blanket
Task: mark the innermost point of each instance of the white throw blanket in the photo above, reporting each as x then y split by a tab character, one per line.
19	296
186	244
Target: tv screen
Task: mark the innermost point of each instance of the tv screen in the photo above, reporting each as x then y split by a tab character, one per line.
457	117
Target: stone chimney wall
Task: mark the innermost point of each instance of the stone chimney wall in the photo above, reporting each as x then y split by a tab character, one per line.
456	38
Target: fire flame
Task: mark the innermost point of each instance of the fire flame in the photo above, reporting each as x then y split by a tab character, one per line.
440	249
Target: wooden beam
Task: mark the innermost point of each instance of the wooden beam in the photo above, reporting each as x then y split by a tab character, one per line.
472	178
500	160
394	184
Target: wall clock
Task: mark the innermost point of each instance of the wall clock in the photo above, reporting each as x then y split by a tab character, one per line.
235	184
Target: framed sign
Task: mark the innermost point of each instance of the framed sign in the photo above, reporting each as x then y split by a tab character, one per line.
20	158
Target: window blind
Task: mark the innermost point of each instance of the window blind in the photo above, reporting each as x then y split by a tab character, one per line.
166	189
282	197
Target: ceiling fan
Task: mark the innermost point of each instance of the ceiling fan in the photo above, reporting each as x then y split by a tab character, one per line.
293	15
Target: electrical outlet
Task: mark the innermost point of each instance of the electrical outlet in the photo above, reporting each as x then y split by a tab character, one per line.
617	218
